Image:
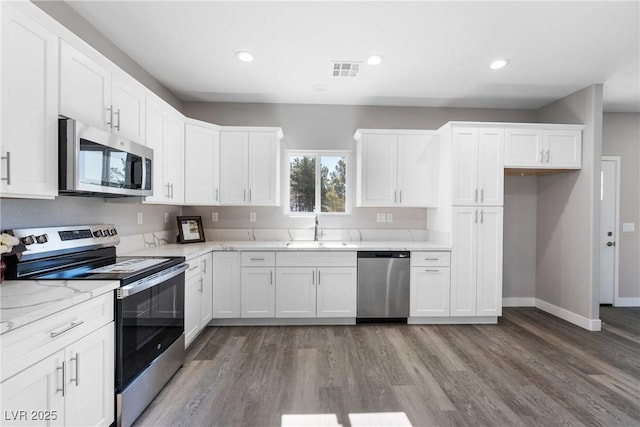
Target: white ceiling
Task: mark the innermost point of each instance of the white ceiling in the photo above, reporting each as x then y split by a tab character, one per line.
436	53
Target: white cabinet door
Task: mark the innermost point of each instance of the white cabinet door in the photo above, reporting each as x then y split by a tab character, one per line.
491	166
464	151
336	291
192	296
234	162
296	292
206	292
202	148
173	167
128	103
29	121
489	273
156	135
563	149
226	285
429	294
415	175
377	161
524	148
264	170
37	388
258	292
85	89
89	383
464	261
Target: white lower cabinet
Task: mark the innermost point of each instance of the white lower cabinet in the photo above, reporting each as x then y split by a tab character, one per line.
226	285
316	284
430	284
476	261
72	386
198	298
258	284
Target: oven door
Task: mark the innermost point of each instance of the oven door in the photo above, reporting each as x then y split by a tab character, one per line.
149	318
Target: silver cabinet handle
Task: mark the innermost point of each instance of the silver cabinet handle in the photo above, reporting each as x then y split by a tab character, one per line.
250	195
258	259
476	217
172	191
313	277
475	197
395	193
432	259
117	113
201	285
271	277
244	195
193	268
110	122
77	378
541	156
432	271
63	369
482	195
319	277
400	196
204	264
548	155
167	194
217	191
482	216
66	329
8	159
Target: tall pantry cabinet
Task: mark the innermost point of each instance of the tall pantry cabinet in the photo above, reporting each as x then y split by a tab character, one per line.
477	181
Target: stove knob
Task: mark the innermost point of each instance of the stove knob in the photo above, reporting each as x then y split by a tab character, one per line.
97	233
114	231
43	238
105	233
28	240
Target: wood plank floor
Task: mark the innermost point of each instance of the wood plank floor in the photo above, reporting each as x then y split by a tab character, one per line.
531	369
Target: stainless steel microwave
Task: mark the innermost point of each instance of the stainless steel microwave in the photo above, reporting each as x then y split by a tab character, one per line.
94	161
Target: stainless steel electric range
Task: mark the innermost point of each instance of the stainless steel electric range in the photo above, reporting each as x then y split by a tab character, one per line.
149	317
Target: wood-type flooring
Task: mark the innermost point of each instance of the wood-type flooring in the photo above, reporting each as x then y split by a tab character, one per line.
531	369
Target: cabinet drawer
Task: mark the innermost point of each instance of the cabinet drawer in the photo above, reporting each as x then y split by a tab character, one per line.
194	268
258	259
316	259
27	345
429	259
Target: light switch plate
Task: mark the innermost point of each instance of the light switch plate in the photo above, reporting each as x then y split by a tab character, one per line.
628	227
139	218
214	216
389	217
252	217
381	217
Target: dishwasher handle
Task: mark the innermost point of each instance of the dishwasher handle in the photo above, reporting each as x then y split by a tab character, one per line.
384	254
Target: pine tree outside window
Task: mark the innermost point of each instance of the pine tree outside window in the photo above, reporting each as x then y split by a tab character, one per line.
322	189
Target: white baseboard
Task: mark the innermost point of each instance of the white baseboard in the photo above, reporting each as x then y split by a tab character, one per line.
569	316
627	302
518	302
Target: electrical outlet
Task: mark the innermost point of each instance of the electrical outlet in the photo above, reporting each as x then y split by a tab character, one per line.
252	217
139	218
214	216
380	217
389	217
166	217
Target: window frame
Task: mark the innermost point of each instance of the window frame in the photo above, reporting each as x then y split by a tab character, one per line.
318	197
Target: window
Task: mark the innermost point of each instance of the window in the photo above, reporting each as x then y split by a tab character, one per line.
311	186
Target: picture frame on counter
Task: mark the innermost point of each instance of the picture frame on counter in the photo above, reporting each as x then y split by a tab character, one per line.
190	229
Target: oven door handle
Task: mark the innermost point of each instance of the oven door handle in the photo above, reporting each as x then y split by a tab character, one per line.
144	284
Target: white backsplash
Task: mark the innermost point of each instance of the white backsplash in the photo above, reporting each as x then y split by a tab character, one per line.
284	234
138	242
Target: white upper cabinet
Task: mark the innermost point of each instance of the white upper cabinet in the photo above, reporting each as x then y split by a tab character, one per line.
201	165
250	166
29	118
165	135
544	147
90	93
477	166
396	168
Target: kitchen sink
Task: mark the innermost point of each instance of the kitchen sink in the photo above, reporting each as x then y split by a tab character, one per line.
319	245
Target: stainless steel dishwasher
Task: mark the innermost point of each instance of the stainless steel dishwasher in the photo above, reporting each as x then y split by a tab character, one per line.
383	285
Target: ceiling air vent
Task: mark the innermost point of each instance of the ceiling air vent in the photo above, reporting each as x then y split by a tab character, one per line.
345	69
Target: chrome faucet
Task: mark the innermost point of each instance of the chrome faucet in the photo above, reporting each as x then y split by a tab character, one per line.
315	231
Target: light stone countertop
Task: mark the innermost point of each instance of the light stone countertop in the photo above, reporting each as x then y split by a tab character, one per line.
193	250
25	301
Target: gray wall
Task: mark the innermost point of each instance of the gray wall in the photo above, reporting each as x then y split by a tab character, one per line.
568	213
68	17
23	213
330	127
621	137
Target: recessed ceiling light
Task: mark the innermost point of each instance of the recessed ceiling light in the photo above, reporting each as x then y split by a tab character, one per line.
320	87
244	56
375	60
499	63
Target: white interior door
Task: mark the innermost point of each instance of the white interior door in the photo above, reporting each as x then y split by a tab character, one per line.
608	229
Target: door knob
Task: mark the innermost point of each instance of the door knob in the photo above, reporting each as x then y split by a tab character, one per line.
611	243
